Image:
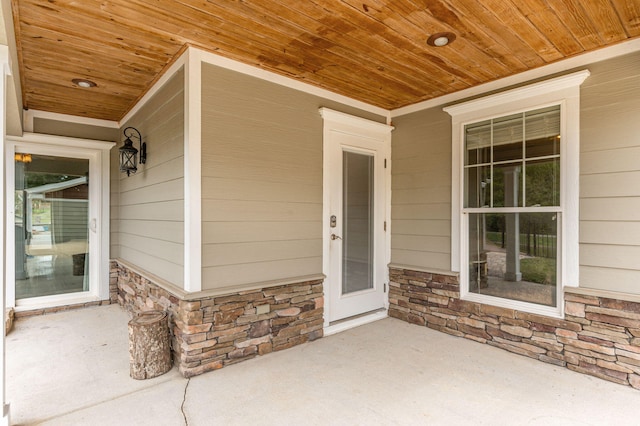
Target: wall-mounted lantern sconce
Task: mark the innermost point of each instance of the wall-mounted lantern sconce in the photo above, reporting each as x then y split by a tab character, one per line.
128	154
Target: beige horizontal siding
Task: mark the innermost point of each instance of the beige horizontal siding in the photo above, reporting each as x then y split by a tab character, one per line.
433	260
612	279
158	248
435	211
421	190
150	213
610	209
610	232
261	211
607	185
246	232
229	276
172	272
610	160
435	228
171	211
610	176
144	227
261	180
610	256
169	190
259	251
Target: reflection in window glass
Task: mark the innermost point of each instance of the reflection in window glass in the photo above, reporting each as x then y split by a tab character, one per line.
543	182
514	256
512	205
478	186
514	161
507	138
478	143
507	185
357	231
51	225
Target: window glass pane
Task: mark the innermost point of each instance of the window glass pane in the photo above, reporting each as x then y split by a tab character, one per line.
543	182
507	185
51	225
543	147
507	138
478	186
542	129
478	143
514	256
357	232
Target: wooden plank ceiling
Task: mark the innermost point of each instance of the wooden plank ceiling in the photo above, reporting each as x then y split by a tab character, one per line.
374	51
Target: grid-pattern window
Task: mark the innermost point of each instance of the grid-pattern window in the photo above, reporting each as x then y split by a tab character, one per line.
512	199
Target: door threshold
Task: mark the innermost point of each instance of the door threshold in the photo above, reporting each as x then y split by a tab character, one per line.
54	301
355	321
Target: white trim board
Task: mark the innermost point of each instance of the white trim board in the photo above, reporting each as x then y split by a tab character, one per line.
31	114
192	170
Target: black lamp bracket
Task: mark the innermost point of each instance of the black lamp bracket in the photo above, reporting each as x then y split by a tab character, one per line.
129	133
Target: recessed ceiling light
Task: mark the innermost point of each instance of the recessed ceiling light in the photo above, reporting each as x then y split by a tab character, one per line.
83	82
441	39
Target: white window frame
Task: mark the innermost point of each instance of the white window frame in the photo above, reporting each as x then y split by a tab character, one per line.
563	91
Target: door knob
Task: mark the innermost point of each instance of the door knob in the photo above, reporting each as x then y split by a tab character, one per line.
335	237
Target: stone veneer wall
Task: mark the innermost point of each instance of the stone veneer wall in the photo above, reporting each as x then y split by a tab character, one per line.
211	332
599	336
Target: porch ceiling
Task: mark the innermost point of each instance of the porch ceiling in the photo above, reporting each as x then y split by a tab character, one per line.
373	51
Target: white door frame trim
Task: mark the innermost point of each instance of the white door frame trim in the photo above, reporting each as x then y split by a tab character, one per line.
97	152
345	123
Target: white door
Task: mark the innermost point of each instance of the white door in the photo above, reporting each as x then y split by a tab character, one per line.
55	253
356	215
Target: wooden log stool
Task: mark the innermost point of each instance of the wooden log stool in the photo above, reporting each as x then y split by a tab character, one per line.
149	345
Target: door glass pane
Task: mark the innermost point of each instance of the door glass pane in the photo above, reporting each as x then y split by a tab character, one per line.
357	232
514	256
51	225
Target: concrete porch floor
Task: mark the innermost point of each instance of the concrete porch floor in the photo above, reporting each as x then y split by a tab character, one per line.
72	368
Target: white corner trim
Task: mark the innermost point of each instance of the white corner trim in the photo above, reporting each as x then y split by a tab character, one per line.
192	171
253	71
585	59
30	114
